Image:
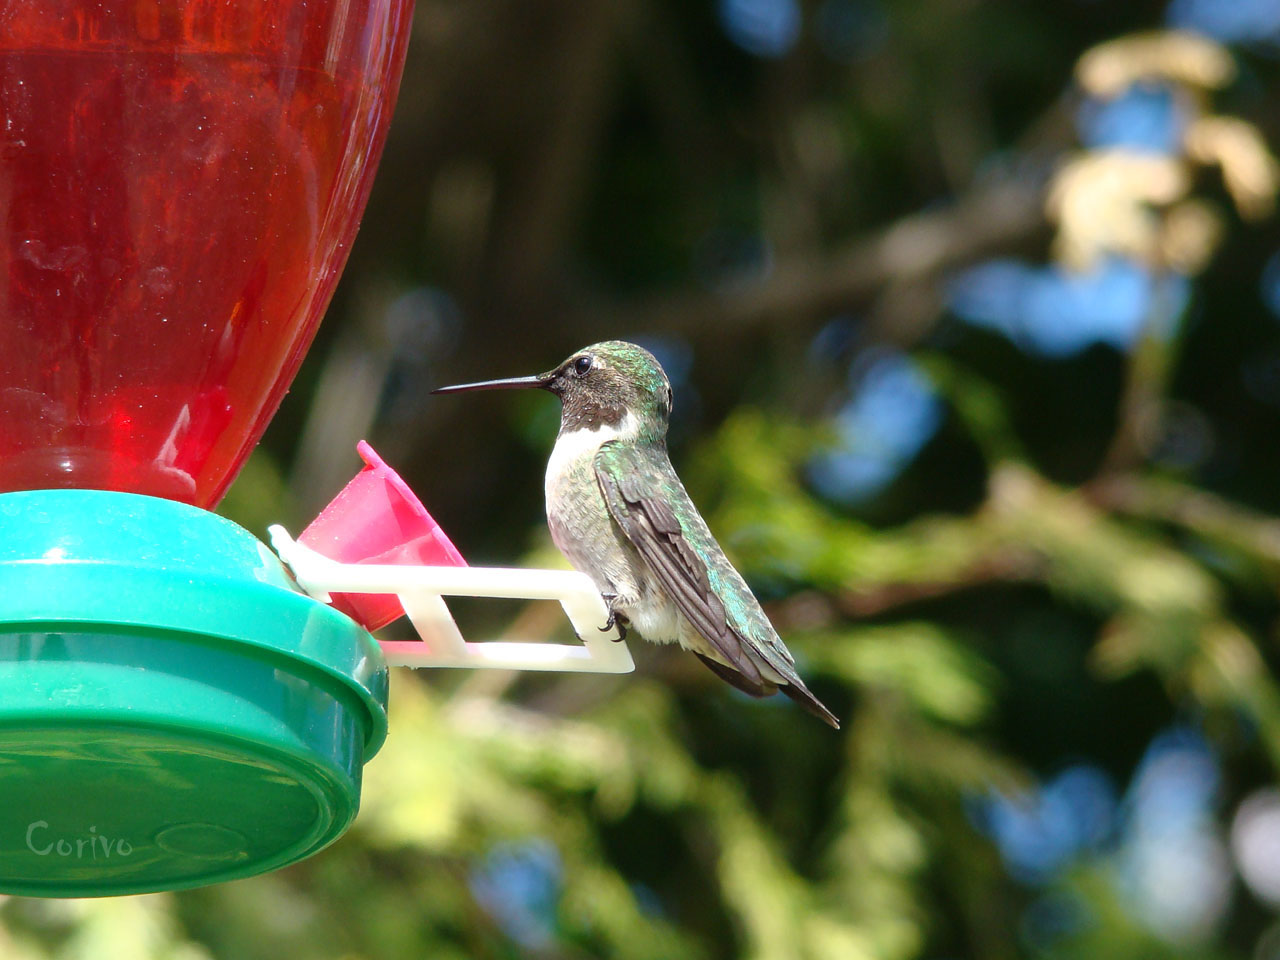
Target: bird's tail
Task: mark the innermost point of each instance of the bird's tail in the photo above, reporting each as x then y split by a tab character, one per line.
794	689
798	692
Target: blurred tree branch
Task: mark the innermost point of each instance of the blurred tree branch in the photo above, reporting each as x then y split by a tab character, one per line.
1198	511
918	247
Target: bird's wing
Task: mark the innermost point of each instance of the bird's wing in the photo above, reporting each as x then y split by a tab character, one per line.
640	503
655	513
650	524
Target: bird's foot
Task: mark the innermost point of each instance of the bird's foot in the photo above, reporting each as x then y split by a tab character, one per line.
616	619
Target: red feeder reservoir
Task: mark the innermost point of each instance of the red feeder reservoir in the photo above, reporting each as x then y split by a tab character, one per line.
180	183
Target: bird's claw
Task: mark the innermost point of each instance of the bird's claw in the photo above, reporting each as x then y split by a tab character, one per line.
615	619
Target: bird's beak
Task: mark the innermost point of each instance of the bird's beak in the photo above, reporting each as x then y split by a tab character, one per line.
511	383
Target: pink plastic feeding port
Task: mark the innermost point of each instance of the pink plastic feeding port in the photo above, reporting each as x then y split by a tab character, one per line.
378	519
375	553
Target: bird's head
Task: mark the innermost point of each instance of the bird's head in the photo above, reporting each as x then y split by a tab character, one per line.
600	385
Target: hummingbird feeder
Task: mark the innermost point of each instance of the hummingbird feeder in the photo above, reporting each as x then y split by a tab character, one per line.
181	182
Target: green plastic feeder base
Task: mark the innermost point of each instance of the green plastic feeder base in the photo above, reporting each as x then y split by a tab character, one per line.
173	710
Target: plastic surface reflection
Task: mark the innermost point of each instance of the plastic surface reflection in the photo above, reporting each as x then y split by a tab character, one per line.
180	184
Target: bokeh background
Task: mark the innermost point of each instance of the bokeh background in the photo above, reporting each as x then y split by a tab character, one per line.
972	309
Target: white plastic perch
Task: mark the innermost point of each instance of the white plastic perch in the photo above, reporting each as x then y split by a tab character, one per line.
422	589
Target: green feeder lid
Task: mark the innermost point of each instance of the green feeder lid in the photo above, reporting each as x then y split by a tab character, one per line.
173	710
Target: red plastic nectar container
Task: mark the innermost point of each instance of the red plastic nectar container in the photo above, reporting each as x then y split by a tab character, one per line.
180	183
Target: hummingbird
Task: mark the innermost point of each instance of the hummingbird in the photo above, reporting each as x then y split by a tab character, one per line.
619	513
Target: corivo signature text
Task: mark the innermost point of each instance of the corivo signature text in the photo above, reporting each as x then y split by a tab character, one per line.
89	846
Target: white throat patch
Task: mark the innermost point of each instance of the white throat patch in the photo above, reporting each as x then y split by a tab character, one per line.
572	446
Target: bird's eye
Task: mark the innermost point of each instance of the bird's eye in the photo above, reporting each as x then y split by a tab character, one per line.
582	366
